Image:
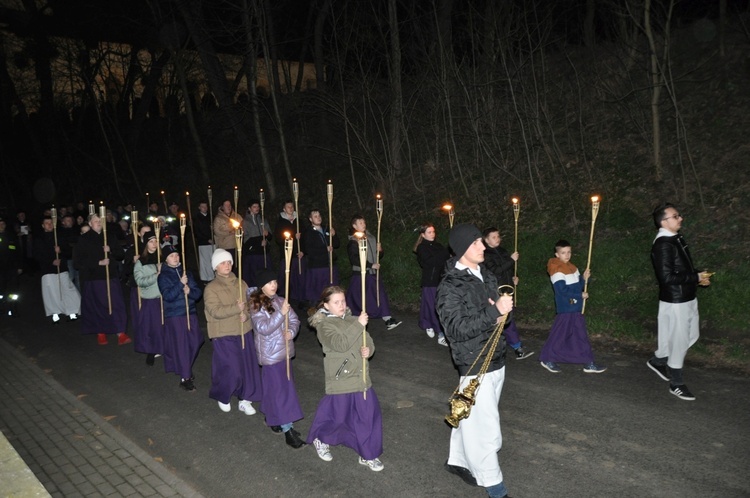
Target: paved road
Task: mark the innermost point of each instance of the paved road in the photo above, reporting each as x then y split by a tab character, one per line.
618	434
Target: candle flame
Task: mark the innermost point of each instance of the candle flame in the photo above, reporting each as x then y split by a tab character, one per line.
162	192
595	198
377	196
187	193
287	235
515	200
182	215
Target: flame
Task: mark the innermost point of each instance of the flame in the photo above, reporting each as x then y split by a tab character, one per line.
235	224
447	207
377	197
595	198
359	235
187	193
515	200
287	235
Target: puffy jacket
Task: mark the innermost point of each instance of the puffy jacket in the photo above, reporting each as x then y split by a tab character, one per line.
172	293
269	333
498	261
224	231
567	284
678	279
431	257
341	338
467	316
220	305
146	278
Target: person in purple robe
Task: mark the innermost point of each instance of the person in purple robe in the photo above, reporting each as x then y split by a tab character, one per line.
349	414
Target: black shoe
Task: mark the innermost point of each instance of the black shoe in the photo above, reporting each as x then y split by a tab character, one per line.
276	429
392	323
682	392
150	359
521	354
661	370
293	439
461	472
187	384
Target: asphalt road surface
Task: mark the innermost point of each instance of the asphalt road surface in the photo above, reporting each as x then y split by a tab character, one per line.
617	434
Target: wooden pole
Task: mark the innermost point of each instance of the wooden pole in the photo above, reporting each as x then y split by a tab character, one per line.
516	212
236	199
57	254
184	266
211	217
362	238
379	210
288	259
148	203
295	191
164	200
238	247
263	226
594	212
451	213
192	230
135	230
103	219
329	193
157	231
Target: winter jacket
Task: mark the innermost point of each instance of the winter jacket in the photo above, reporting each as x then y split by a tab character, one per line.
431	257
341	338
146	278
89	251
253	233
498	261
315	246
224	231
44	253
352	250
567	284
467	316
678	279
284	224
220	304
269	333
172	293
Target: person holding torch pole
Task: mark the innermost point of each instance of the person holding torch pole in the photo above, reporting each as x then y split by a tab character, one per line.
383	310
275	326
59	295
318	244
345	416
287	223
183	336
234	365
256	236
102	303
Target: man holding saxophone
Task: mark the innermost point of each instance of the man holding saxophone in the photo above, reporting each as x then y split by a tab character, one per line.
469	308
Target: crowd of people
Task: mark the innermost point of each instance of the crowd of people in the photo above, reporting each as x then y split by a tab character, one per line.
249	299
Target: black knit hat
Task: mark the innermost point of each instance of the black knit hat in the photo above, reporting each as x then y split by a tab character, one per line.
264	276
462	236
166	251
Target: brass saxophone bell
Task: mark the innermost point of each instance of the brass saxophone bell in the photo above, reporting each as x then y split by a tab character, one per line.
461	404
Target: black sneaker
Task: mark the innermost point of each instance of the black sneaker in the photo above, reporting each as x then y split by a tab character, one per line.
682	392
187	384
392	323
661	370
293	439
461	472
521	354
150	359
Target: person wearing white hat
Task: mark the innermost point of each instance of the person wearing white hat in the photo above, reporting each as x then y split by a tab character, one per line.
234	365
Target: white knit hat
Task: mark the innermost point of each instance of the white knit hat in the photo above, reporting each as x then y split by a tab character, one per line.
219	256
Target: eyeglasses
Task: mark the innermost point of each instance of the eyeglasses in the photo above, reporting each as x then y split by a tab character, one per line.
676	216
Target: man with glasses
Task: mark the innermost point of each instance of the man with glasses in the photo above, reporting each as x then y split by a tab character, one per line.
678	320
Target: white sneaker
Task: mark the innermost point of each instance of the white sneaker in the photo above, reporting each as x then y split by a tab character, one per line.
442	341
73	316
225	407
430	333
323	450
246	407
374	464
55	318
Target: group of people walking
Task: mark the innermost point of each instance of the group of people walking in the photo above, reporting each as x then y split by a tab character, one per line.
252	325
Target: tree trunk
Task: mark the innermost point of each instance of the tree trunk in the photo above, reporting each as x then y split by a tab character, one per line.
656	87
396	90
